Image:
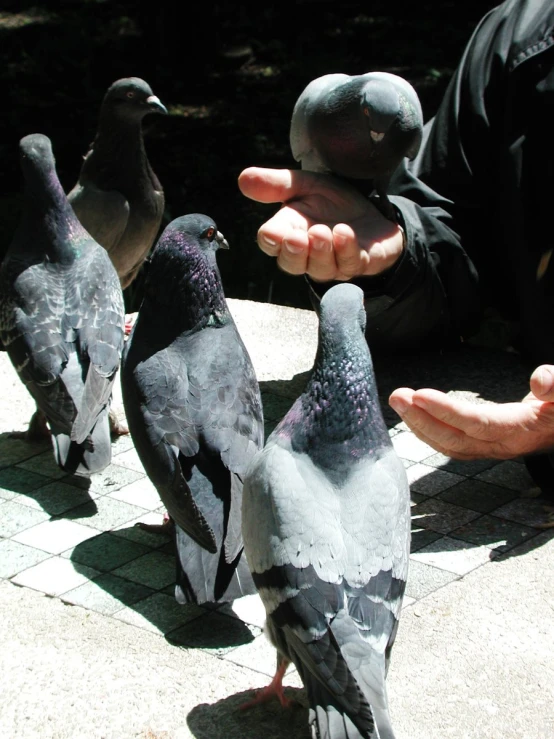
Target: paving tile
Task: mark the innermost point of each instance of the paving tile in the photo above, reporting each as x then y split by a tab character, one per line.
13	451
16	557
496	533
159	613
56	498
112	478
416	498
528	511
122	444
460	467
259	655
43	464
408	446
215	633
422	537
54	576
14	480
141	492
509	474
105	552
454	555
477	495
105	513
15	518
424	579
156	570
429	480
107	594
440	516
130	459
55	536
131	530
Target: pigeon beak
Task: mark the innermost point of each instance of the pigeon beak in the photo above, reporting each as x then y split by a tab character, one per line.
221	241
154	102
376	136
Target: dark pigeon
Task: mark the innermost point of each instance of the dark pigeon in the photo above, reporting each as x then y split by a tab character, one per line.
326	526
118	198
61	316
194	409
359	127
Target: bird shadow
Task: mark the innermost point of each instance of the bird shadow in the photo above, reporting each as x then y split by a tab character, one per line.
224	719
136	583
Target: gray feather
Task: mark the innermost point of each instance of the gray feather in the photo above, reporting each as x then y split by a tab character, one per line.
358	127
61	315
326	527
193	406
118	198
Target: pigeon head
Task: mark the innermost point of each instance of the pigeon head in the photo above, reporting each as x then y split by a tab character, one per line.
35	151
184	263
342	316
381	106
131	98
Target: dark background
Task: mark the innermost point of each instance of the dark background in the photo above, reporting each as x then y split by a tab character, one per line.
229	76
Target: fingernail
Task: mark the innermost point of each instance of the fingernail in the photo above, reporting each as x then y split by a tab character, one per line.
398	405
267	241
545	377
293	249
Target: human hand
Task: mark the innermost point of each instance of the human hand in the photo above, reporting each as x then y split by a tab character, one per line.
465	430
325	228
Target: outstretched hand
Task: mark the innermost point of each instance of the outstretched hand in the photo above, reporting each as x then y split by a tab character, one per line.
325	228
465	430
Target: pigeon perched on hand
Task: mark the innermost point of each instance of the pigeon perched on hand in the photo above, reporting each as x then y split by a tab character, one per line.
61	316
358	127
194	409
118	198
326	527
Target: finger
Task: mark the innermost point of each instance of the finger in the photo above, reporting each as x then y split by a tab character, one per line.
293	255
542	383
275	185
351	260
321	260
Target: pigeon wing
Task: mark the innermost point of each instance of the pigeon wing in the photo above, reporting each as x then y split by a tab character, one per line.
95	314
104	213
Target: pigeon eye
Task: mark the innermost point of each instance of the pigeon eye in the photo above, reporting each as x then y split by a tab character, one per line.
209	233
366	112
130	95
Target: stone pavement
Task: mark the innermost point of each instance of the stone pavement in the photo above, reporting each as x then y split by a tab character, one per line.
93	643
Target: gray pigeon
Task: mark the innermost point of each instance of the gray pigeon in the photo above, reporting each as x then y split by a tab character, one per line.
194	409
118	198
359	127
61	316
326	527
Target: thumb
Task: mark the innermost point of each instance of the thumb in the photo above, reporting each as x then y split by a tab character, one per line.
542	383
275	185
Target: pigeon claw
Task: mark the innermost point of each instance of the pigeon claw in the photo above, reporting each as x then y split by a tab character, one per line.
273	690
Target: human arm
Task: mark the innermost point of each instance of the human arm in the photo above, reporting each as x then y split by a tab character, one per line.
465	430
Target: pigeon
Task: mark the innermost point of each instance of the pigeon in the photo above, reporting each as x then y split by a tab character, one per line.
193	407
118	198
61	316
358	127
326	528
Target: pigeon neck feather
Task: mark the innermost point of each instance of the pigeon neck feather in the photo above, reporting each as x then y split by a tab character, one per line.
340	411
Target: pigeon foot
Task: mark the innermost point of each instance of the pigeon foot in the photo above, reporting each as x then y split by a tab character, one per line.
549	522
37	431
274	689
116	427
167	527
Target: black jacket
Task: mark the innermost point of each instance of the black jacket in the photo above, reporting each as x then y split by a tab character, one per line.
487	238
